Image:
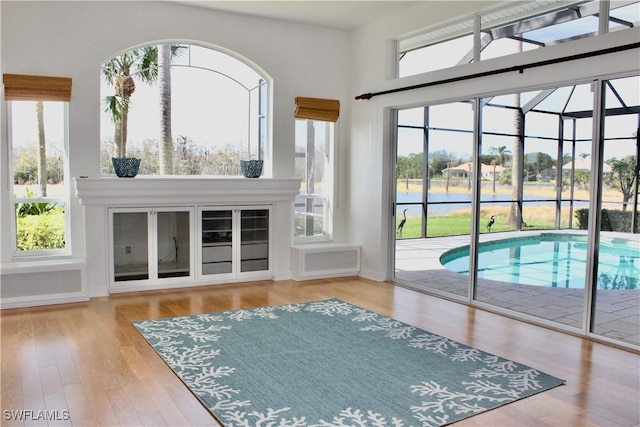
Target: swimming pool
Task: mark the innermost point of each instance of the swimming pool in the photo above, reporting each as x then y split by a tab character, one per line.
552	260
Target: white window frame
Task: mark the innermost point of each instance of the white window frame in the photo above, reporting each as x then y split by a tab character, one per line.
13	200
327	194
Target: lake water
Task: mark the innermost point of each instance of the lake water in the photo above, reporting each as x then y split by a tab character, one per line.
452	205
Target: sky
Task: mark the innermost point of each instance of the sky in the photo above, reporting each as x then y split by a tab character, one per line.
24	130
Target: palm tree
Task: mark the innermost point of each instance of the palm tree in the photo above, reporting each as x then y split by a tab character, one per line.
42	150
141	63
517	167
517	163
166	140
502	154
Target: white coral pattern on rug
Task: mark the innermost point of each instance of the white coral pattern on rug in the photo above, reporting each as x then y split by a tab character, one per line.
195	365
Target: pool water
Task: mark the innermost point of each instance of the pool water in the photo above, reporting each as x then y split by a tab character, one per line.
552	260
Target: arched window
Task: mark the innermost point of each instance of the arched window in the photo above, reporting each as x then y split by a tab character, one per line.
183	109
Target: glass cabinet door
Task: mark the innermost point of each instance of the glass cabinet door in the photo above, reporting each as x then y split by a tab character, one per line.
173	244
217	241
254	240
131	246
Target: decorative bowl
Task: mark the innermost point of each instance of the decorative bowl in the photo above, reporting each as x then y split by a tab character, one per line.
125	167
251	168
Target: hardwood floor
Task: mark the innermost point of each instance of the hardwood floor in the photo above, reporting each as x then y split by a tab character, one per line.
85	364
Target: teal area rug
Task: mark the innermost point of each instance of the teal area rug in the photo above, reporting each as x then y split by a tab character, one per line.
329	363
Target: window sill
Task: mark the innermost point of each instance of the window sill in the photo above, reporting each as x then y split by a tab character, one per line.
303	240
32	265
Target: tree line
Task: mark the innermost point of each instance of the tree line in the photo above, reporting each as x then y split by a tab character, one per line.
187	158
411	166
28	166
624	174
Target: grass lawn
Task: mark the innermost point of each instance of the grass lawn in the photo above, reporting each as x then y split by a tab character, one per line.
458	224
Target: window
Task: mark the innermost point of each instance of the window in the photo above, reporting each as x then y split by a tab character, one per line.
623	14
314	141
183	109
37	111
508	30
449	45
314	166
525	164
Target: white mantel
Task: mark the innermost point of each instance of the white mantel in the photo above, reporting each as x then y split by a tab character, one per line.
98	194
189	190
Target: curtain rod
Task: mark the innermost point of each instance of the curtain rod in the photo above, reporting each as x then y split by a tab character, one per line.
519	68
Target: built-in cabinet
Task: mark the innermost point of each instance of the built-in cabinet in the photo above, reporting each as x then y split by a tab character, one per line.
149	244
235	240
167	232
155	247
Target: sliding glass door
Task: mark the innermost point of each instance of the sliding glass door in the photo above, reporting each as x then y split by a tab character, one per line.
530	260
433	193
494	205
616	297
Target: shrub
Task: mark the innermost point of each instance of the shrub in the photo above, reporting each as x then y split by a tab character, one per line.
612	220
35	208
38	232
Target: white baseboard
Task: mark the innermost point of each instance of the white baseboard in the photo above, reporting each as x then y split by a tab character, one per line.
41	300
376	276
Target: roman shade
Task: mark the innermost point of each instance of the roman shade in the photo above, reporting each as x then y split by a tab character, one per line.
326	110
19	87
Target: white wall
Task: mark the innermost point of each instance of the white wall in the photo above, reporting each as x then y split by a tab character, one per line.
367	172
72	39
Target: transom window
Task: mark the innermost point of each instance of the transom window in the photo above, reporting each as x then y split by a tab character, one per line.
183	109
511	29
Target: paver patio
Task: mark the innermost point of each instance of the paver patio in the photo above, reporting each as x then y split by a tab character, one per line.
617	314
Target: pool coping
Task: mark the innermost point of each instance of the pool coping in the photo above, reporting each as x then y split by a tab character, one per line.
427	251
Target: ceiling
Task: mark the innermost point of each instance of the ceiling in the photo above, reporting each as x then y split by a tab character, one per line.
339	15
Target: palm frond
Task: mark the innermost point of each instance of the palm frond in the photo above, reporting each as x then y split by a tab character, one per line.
177	50
109	71
147	64
116	106
144	62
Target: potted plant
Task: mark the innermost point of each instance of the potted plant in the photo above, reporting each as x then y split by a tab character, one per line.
117	72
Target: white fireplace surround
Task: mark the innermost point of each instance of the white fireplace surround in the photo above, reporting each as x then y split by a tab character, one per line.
97	195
